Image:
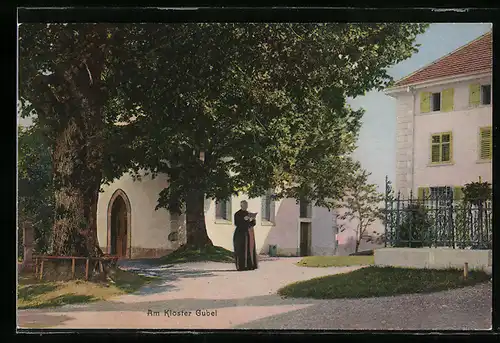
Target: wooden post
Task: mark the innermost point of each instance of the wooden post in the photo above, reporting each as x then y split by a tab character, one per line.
36	266
28	243
87	269
73	268
101	268
41	270
466	270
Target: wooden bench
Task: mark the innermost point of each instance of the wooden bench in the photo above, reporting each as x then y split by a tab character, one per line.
99	260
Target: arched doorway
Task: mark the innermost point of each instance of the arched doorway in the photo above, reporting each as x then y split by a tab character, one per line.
119	225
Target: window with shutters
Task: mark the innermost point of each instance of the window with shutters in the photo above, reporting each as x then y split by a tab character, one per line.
479	94
440	192
223	210
268	208
438	101
435	102
485	94
485	143
441	147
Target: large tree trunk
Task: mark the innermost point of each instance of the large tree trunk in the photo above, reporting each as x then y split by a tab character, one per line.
76	192
196	229
77	160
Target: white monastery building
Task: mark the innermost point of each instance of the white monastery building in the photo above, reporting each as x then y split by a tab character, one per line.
129	226
444	120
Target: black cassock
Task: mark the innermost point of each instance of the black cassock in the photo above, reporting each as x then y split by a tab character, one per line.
245	253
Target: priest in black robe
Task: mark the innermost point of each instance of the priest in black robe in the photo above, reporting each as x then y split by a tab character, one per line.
245	253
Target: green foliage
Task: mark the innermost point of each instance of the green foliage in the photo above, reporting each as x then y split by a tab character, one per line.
477	203
362	204
265	103
413	228
382	282
108	58
477	193
185	254
335	261
35	191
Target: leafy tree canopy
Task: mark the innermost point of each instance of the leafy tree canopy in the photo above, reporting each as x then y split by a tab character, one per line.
264	103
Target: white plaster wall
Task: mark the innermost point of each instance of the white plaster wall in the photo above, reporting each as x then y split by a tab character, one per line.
284	233
323	231
404	142
149	228
221	232
464	123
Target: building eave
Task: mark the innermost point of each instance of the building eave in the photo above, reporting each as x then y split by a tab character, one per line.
395	91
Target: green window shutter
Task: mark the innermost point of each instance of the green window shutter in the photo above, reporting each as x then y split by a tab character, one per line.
458	193
474	94
446	147
435	148
486	143
447	100
423	192
425	102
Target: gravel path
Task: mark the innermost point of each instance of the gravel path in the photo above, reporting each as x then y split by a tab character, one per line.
248	300
459	309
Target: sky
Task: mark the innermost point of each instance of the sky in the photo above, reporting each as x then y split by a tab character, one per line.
377	138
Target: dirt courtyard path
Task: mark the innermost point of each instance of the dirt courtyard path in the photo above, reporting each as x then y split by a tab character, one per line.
209	295
191	295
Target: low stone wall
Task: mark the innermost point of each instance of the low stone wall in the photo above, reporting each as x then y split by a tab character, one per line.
435	258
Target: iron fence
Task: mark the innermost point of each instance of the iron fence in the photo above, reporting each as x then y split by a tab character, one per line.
436	220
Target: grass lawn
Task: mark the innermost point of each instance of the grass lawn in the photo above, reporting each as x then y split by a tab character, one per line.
33	293
182	255
381	281
335	261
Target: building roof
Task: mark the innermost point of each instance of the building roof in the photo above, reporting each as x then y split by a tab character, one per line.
473	58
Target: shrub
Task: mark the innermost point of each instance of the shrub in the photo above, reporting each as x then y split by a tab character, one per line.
413	229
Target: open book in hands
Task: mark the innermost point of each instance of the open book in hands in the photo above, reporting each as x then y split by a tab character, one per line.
251	216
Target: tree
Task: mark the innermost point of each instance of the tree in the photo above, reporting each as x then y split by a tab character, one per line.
413	229
35	193
265	104
478	194
361	207
69	77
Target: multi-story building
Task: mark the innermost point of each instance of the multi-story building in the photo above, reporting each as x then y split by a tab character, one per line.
444	119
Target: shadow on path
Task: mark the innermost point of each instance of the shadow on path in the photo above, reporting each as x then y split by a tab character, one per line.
165	277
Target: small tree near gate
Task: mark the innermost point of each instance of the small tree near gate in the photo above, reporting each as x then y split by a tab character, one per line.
361	207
